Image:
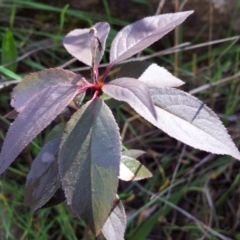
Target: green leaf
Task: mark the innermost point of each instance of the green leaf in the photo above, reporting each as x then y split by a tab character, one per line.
131	169
133	153
143	230
89	160
9	50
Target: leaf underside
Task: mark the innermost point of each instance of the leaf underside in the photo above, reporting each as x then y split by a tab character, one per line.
78	44
141	34
135	93
187	119
115	225
43	178
38	114
89	162
155	76
150	74
34	83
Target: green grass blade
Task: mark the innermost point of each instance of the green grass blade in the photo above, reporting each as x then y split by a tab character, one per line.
142	231
9	50
9	73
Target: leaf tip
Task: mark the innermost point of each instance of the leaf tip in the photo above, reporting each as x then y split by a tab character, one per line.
188	13
236	155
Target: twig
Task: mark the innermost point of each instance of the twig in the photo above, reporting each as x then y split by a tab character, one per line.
176	41
176	170
209	85
7	83
183	5
127	123
68	63
160	6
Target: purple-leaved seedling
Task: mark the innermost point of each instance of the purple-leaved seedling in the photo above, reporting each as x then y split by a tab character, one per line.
83	161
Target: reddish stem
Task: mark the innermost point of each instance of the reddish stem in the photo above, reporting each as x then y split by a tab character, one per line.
107	71
96	72
95	95
82	88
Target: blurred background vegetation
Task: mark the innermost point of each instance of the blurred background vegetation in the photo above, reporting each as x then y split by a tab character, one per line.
192	194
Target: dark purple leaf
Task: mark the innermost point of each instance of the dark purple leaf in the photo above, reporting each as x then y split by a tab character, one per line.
187	119
43	178
89	162
38	114
115	225
57	198
141	34
78	42
34	83
135	93
131	169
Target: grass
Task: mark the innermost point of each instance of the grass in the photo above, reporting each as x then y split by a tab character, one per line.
192	194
